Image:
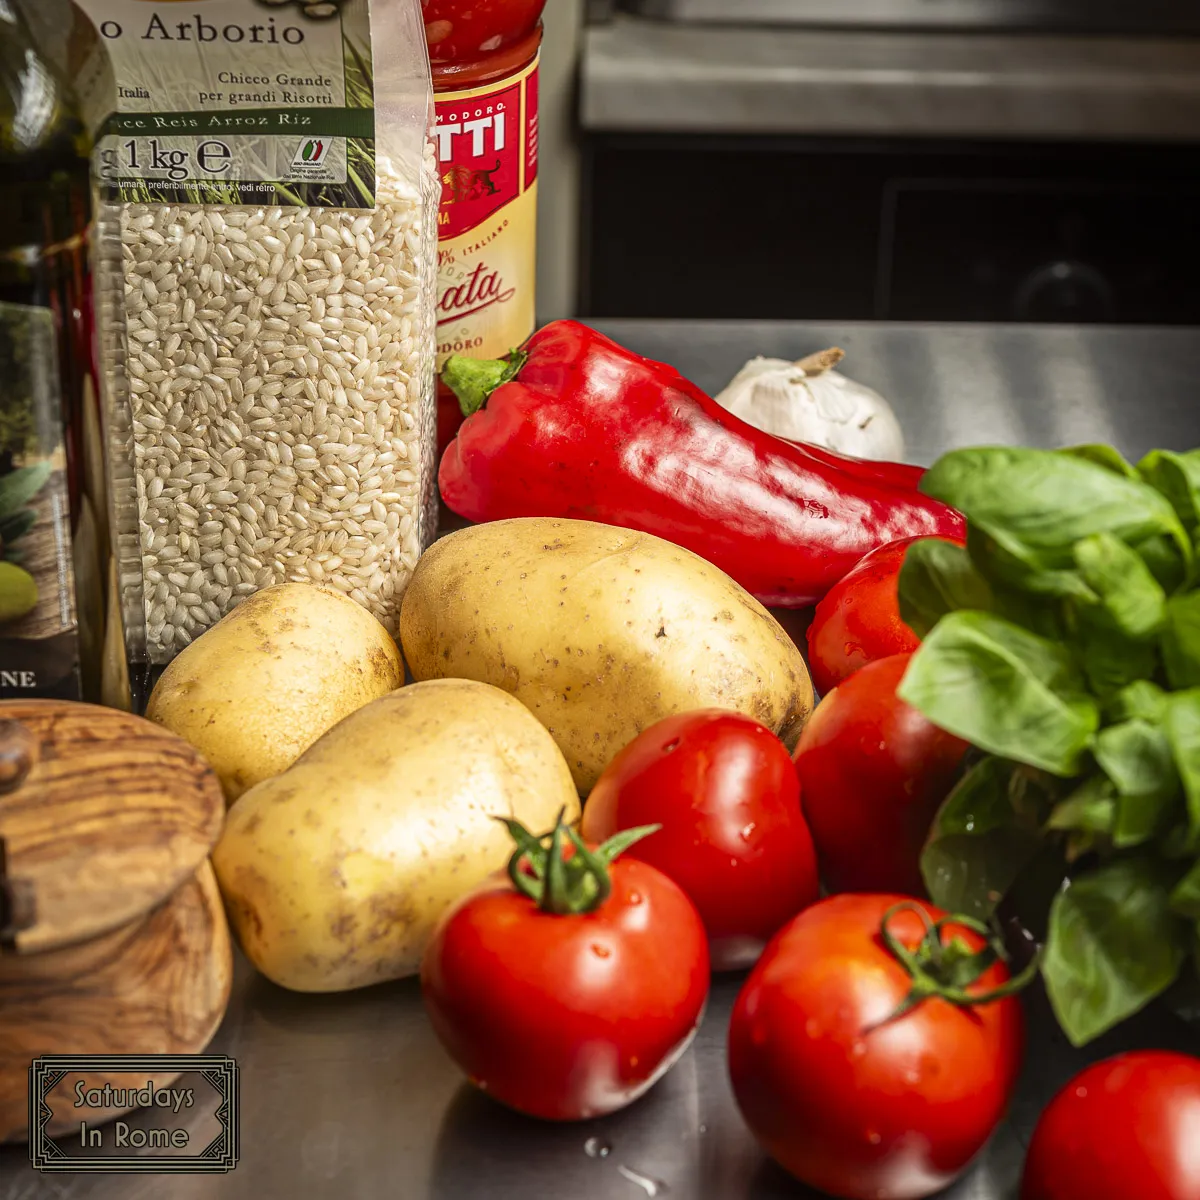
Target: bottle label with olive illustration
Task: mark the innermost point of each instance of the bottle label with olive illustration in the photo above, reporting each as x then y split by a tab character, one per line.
39	635
259	102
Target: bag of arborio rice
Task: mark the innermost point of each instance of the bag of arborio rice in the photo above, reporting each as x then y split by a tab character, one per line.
266	255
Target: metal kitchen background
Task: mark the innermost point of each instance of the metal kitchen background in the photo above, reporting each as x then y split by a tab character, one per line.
945	160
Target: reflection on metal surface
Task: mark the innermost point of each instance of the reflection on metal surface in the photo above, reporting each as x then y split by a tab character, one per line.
652	1187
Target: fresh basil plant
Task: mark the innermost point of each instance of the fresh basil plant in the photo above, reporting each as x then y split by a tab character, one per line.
1063	642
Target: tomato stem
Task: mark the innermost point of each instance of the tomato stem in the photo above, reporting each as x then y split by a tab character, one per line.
560	885
945	970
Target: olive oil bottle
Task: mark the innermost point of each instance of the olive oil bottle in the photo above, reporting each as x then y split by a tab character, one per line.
54	540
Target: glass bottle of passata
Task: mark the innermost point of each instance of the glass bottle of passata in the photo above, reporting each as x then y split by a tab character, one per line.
484	55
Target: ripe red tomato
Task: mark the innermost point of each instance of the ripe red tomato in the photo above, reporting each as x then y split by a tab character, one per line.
1125	1128
873	773
844	1099
858	621
733	837
572	1016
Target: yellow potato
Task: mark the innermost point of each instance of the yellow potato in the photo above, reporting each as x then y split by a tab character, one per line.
600	632
335	872
259	687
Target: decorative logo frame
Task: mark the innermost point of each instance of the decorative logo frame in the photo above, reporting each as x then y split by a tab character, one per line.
218	1157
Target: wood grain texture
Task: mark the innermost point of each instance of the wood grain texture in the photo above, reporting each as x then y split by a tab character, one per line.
158	986
114	815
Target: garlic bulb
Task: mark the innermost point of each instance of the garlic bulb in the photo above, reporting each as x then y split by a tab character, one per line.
808	401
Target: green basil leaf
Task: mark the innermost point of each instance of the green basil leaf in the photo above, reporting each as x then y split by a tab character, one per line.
1185	897
1019	568
978	844
1181	724
1111	661
1136	756
1141	818
18	525
938	578
1181	641
1179	842
1164	560
1090	808
1114	945
1140	701
18	487
1104	456
1039	503
1130	596
1177	477
1005	689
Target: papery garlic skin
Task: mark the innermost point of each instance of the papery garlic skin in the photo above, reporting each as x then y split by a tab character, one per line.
808	401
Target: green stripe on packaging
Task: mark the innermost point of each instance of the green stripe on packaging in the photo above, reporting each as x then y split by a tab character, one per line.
301	122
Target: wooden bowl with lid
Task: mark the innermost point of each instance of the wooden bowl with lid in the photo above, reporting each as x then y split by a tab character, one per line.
113	937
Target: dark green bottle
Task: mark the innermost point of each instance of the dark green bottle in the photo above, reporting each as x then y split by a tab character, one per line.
54	541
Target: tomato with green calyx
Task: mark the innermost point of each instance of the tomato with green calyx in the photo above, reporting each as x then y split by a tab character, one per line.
873	773
725	792
858	622
1125	1128
568	986
876	1046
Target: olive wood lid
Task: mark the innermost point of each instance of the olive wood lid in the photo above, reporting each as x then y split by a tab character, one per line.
103	815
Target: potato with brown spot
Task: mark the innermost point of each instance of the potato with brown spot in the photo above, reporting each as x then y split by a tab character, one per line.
600	632
258	688
335	872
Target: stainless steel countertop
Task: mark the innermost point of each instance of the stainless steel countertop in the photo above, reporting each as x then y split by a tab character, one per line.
647	76
351	1096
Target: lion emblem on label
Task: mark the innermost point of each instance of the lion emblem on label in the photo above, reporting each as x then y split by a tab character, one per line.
466	183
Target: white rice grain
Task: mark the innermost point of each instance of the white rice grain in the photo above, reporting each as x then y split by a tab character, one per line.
275	381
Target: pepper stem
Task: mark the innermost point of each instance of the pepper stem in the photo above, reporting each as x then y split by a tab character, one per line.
473	380
560	885
945	970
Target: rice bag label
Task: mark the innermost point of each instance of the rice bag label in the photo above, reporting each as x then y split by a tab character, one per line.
39	632
487	222
232	101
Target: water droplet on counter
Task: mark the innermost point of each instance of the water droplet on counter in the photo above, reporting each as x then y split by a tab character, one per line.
597	1148
748	831
703	1130
652	1187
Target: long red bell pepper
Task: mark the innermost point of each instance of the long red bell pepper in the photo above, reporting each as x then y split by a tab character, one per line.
573	425
901	475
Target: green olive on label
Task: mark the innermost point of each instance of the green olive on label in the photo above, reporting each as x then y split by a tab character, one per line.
18	592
